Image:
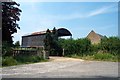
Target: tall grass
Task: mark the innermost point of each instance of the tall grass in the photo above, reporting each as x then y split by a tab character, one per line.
105	57
10	61
97	56
28	59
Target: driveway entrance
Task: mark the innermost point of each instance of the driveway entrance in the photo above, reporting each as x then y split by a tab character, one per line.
60	67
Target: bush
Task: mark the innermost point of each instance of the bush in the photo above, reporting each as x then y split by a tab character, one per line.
105	57
111	45
95	48
28	59
79	46
8	61
108	49
6	49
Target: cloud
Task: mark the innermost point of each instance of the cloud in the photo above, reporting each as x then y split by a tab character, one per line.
102	10
31	18
37	21
96	12
50	20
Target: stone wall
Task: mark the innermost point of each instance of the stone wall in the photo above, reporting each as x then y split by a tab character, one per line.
30	52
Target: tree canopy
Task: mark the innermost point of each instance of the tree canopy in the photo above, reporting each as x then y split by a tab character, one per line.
10	16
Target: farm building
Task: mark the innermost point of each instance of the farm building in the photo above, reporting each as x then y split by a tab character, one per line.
95	38
36	39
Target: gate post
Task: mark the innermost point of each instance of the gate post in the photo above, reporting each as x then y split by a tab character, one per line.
45	54
63	52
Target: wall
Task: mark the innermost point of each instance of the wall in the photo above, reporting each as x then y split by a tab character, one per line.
33	41
94	38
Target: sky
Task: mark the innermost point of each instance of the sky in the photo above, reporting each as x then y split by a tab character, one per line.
78	17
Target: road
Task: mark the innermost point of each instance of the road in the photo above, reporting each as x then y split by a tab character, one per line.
60	67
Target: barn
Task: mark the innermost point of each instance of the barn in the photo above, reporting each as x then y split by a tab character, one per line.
36	39
94	37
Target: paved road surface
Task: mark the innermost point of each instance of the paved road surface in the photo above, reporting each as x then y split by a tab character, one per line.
61	67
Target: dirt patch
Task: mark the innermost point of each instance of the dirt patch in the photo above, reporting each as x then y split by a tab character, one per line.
63	59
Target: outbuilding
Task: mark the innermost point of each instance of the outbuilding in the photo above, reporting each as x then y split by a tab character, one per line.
94	37
36	39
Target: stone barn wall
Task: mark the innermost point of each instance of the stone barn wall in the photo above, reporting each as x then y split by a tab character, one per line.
33	40
94	37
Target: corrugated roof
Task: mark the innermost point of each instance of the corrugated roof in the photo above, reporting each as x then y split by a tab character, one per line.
36	33
41	32
61	32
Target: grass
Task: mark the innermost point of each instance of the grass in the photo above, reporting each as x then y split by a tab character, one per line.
98	57
105	57
11	61
21	59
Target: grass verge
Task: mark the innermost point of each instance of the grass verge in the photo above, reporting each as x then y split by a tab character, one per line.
98	57
11	61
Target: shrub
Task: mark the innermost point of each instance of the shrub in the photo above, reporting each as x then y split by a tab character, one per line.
111	45
6	49
28	59
95	48
108	49
105	56
8	61
79	46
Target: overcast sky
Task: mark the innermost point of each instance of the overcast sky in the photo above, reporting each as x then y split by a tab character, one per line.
78	17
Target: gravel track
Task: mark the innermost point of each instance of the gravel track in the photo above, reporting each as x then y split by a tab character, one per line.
60	67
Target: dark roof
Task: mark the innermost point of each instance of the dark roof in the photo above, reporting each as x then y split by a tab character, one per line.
61	32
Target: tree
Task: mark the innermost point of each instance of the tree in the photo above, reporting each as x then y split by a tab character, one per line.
17	44
47	42
56	49
55	34
10	16
51	43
